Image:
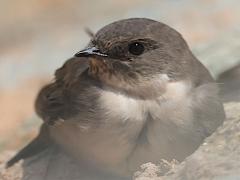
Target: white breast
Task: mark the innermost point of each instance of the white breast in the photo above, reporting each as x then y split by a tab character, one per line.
170	132
113	143
120	105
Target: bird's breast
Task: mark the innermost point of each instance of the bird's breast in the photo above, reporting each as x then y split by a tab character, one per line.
129	129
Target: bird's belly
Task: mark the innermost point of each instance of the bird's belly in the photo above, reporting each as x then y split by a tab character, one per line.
107	147
131	132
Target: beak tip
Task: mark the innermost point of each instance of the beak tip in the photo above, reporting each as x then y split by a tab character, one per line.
89	52
77	55
81	54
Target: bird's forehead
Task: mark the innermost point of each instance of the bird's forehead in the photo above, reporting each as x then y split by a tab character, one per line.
126	30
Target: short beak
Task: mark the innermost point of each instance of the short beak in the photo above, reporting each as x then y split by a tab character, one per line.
91	51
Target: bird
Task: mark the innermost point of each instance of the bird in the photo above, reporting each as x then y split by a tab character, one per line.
135	94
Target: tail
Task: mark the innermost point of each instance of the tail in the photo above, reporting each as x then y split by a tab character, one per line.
39	144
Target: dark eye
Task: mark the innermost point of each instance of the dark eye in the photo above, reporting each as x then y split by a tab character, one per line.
136	48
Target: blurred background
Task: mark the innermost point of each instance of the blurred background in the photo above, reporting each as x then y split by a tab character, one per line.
37	36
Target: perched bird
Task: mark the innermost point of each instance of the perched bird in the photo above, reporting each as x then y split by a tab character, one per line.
136	94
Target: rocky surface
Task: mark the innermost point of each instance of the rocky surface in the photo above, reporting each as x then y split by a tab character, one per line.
229	82
15	173
217	158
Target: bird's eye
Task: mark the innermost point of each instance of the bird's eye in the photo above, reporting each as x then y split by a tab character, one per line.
136	48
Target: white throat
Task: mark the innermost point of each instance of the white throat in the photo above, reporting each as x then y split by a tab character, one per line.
135	109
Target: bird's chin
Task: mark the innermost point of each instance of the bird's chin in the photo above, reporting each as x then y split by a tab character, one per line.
115	75
134	88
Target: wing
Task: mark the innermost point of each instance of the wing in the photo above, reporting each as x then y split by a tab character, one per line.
71	70
55	100
39	144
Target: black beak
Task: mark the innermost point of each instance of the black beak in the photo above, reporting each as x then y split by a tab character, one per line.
91	51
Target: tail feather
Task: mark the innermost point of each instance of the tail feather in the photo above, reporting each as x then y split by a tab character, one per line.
39	144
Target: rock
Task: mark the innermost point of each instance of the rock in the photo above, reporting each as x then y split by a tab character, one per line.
151	171
217	158
15	173
229	84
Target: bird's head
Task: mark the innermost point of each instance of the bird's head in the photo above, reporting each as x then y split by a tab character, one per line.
138	57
